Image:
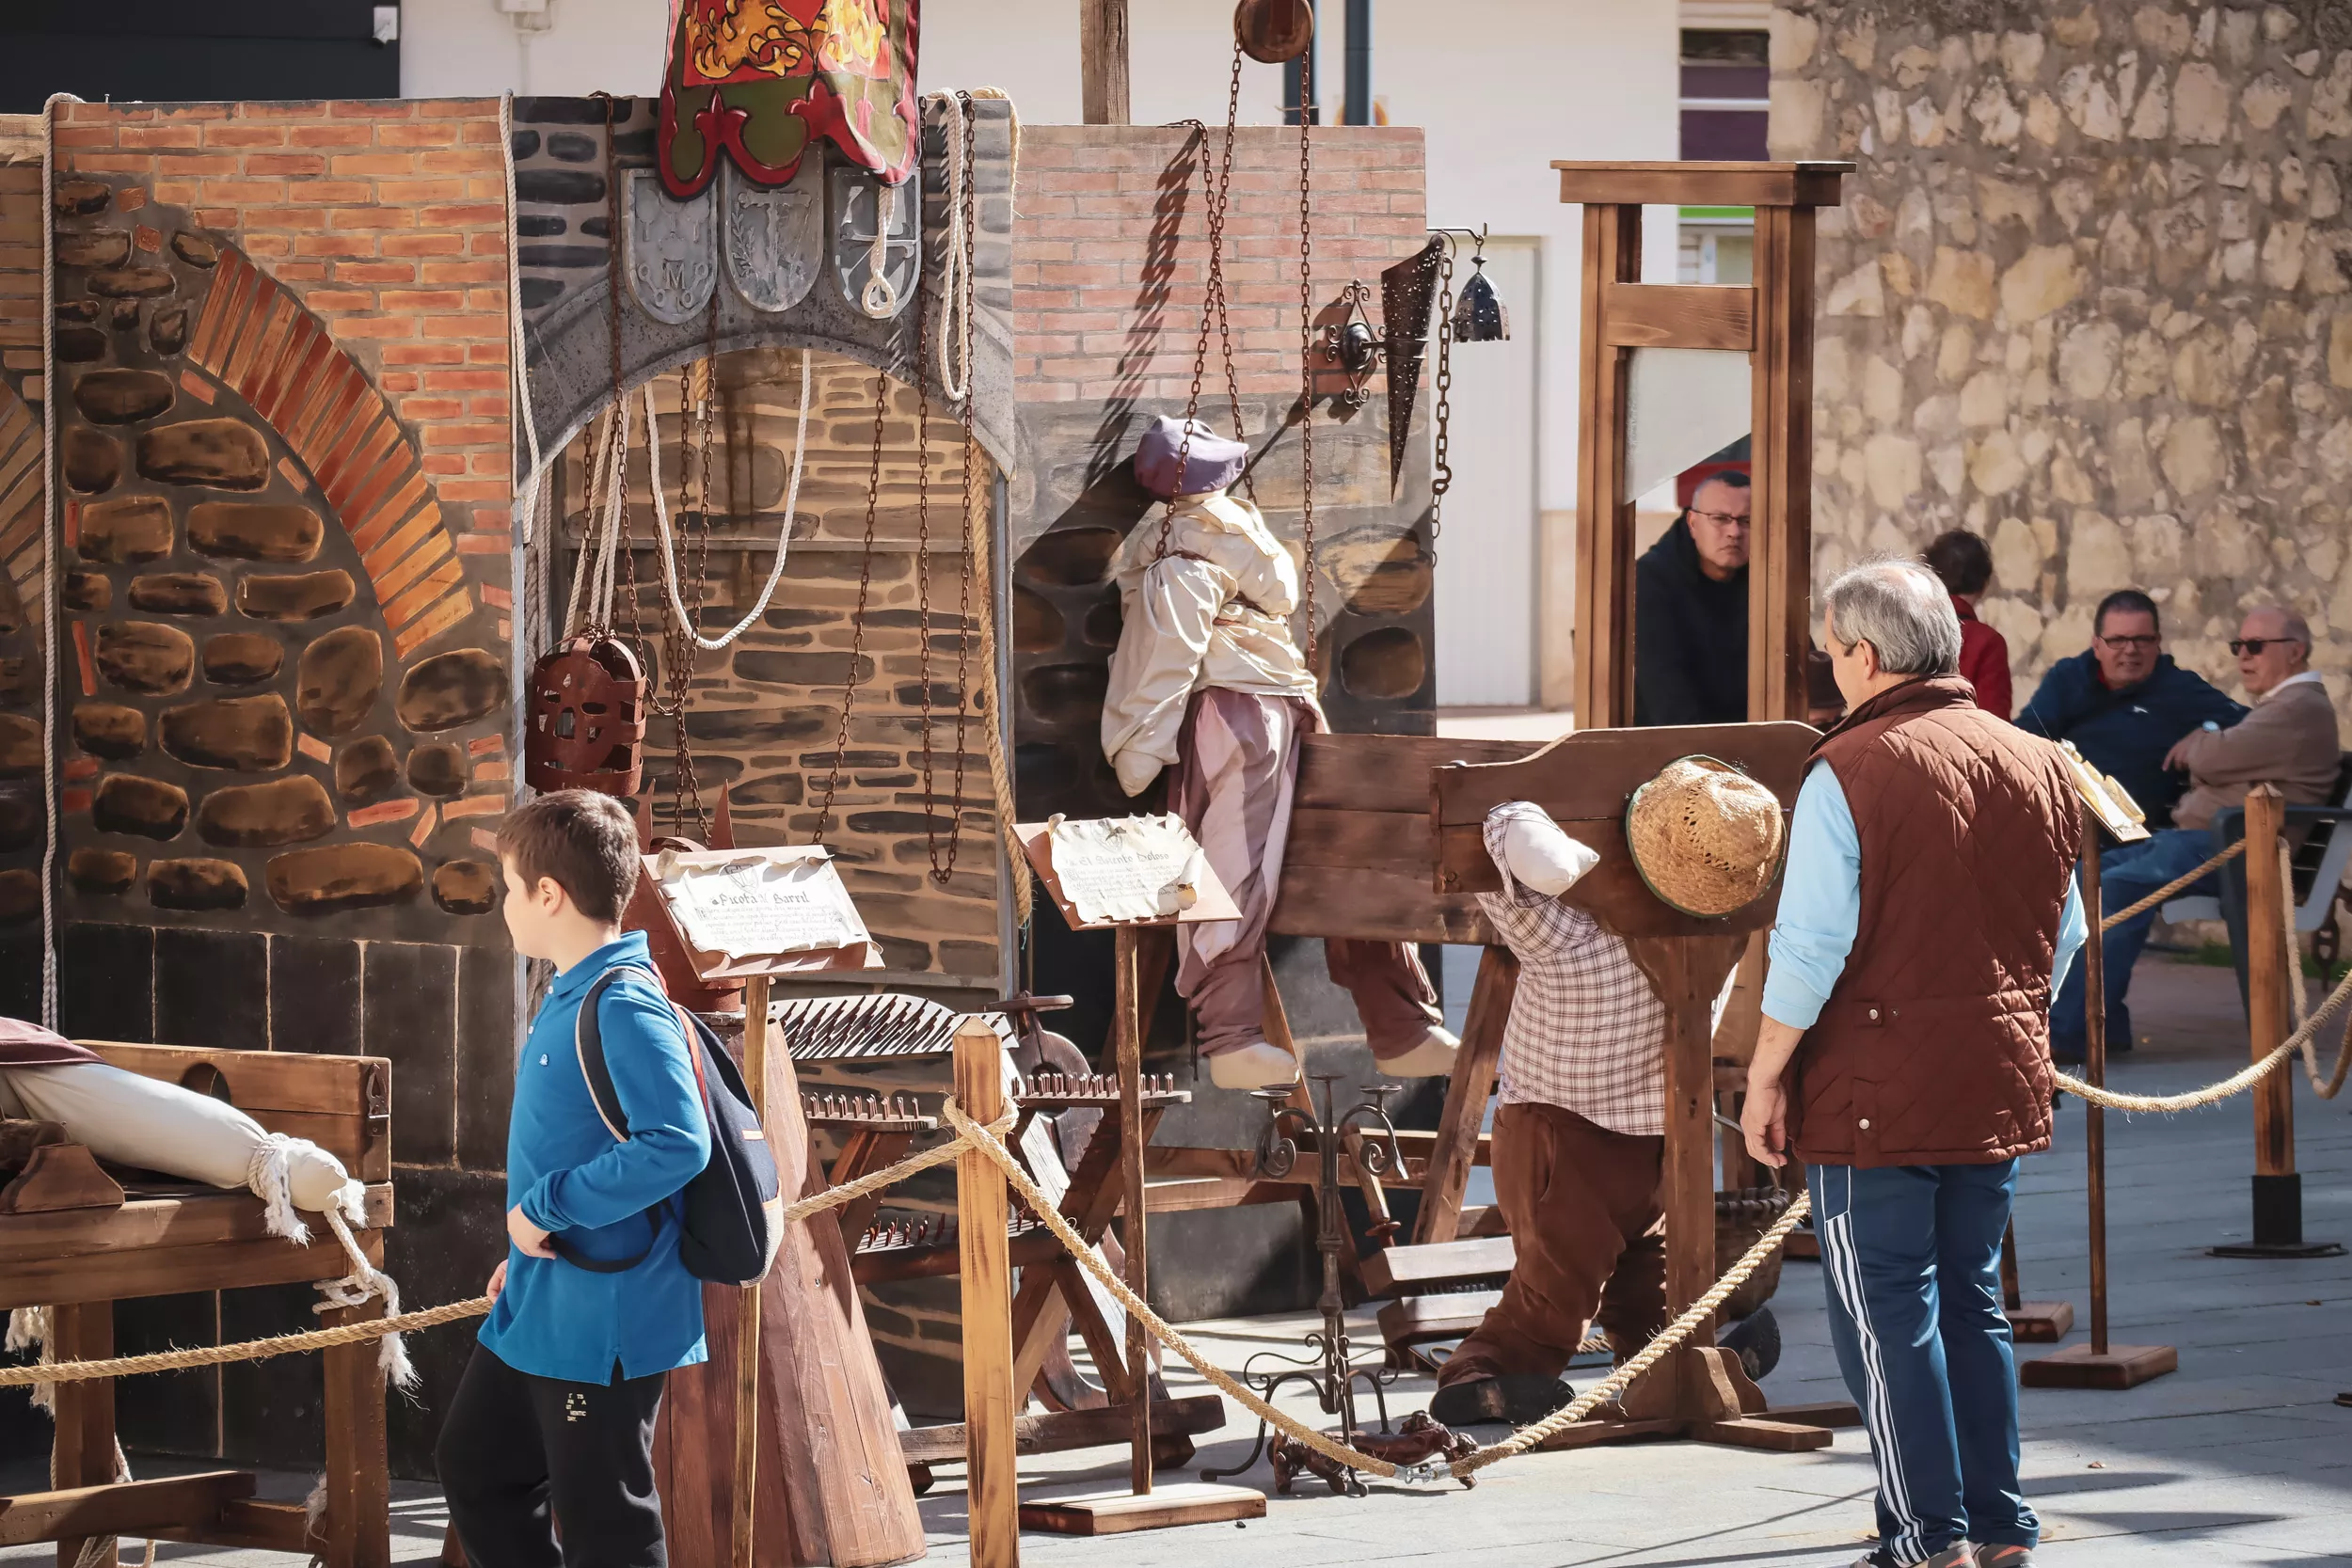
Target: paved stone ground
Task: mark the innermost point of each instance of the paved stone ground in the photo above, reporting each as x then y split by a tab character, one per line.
2242	1457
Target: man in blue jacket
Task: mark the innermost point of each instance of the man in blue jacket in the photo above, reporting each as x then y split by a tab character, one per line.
2124	704
551	1427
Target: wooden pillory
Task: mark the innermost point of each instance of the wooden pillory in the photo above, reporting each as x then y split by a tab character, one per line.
72	1240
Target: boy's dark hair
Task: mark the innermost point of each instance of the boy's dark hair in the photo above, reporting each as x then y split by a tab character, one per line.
1959	558
2130	601
585	842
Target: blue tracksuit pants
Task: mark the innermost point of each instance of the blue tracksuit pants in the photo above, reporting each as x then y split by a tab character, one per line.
1911	1255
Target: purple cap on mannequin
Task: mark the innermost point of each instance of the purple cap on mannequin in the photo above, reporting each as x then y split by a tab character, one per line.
1211	463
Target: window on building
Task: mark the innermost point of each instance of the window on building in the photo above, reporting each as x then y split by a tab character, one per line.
195	51
1726	83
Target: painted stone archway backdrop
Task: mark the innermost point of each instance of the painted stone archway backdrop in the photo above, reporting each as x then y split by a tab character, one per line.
284	591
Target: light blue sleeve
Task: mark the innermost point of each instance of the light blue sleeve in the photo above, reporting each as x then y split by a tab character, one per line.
2074	931
1820	903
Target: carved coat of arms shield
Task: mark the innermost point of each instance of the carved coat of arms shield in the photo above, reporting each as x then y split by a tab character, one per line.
877	239
669	249
773	238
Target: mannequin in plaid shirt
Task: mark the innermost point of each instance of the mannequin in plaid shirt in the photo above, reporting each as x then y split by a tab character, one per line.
1579	1139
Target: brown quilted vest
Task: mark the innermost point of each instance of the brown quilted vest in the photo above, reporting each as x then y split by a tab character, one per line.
1934	1047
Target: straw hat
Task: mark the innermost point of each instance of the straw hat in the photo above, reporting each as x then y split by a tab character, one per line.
1704	837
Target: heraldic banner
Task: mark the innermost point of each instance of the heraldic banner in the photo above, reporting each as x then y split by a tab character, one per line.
760	80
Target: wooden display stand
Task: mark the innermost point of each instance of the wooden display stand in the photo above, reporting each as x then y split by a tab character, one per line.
2098	1364
784	1440
73	1240
2031	1322
1138	1506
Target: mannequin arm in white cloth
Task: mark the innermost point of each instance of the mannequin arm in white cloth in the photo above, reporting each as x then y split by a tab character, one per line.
1162	643
128	1119
1540	855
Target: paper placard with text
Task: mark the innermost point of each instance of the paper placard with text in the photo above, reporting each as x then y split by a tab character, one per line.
758	903
1123	868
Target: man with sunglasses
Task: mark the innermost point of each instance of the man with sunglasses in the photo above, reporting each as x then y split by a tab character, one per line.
2124	703
2287	738
1691	613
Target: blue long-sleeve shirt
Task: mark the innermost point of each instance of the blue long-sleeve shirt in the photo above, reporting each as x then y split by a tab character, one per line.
1820	906
569	1175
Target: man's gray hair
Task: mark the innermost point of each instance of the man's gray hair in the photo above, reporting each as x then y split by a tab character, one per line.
2290	624
1900	609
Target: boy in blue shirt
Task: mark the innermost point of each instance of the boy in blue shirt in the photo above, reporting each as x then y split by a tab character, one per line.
552	1425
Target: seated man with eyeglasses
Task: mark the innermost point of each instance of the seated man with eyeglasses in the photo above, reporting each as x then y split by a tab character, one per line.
1690	612
2124	703
2287	738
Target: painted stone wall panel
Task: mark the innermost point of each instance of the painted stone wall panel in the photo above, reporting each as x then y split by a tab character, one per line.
2090	296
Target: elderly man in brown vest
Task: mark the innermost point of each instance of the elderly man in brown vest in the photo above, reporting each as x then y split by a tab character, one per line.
1927	912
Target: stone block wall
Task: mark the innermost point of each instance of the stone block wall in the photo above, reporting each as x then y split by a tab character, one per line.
2091	296
285	736
764	716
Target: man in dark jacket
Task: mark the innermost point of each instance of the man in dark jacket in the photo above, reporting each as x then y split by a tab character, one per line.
2124	703
1691	613
1927	909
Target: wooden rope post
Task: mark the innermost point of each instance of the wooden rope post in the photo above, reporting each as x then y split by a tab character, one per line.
2097	1365
2095	1073
2272	965
747	1349
990	1405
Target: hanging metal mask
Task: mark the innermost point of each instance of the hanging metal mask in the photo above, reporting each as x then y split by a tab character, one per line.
587	724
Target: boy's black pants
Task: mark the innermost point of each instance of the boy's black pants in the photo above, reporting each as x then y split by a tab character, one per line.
521	1456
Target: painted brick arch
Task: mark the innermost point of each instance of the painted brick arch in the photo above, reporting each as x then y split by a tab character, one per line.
259	341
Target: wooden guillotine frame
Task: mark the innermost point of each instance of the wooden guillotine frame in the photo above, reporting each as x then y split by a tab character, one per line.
1584	779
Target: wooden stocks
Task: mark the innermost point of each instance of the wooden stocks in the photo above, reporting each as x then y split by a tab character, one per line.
747	1355
989	1409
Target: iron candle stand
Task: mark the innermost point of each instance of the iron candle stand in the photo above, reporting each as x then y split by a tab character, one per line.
1328	1368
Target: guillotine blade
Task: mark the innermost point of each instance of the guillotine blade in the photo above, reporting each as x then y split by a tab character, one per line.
1405	290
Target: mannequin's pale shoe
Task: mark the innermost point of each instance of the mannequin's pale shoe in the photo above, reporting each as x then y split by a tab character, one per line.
1259	1064
1432	1058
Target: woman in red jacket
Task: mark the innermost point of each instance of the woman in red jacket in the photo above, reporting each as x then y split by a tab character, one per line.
1965	566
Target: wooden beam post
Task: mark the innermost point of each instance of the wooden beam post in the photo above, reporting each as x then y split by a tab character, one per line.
1127	1034
2098	1364
2273	963
1102	60
1604	516
990	1402
84	1454
747	1348
1780	575
2266	970
359	1523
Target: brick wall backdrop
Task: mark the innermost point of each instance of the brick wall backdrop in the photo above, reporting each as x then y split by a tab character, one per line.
285	736
1109	262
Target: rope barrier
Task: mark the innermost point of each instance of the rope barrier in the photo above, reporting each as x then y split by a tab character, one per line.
2176	885
433	1317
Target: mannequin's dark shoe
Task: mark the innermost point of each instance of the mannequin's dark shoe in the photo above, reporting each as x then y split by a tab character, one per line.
1515	1397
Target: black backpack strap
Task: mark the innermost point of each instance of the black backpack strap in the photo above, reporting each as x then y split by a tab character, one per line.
588	1042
